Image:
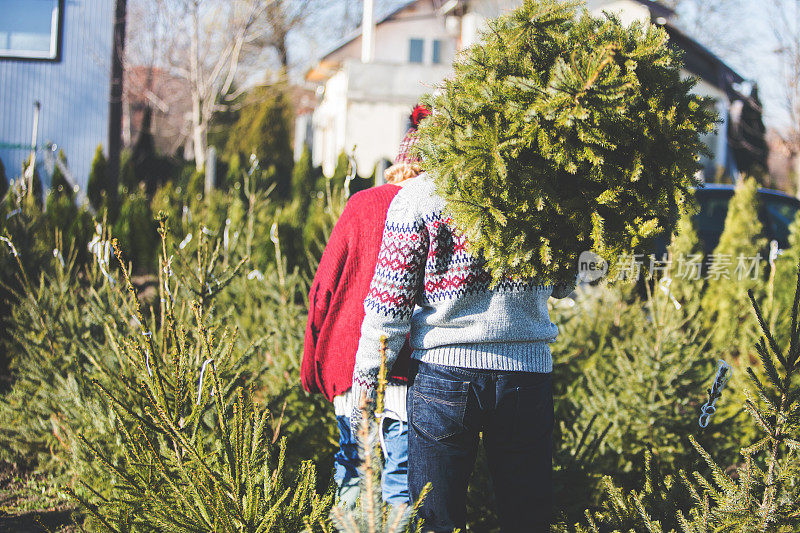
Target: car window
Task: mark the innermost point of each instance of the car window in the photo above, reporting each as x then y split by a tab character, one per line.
710	220
780	214
713	211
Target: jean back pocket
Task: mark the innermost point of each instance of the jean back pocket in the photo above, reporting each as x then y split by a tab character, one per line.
437	406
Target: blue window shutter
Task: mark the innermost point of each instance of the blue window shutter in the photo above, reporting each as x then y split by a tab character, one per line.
415	49
437	52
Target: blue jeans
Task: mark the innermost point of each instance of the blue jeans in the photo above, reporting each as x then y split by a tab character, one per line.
394	482
448	407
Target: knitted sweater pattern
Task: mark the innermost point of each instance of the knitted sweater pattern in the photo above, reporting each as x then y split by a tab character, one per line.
460	319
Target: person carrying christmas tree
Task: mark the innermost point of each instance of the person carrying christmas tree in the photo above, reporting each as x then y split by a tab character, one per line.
542	146
481	363
334	323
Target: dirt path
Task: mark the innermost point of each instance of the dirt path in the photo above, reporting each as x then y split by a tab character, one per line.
30	504
37	522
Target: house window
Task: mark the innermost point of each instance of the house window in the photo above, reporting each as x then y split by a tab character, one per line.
30	29
436	58
415	48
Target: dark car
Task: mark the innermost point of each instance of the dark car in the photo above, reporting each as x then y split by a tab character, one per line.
777	211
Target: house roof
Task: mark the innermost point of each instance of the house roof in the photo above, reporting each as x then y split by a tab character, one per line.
325	66
355	34
698	59
701	61
656	9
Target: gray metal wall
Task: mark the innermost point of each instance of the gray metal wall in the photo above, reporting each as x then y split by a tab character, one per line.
73	92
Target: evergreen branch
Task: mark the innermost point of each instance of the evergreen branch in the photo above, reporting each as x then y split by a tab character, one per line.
765	331
92	509
762	391
105	462
794	337
754	412
768	364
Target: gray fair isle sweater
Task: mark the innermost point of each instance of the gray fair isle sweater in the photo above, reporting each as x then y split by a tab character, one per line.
460	320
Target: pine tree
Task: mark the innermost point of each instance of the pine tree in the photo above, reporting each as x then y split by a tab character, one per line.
57	331
97	188
647	384
589	326
233	177
621	511
127	175
304	178
760	493
135	228
61	212
196	185
371	515
560	133
58	183
26	245
53	400
685	263
781	282
741	246
765	495
264	129
194	458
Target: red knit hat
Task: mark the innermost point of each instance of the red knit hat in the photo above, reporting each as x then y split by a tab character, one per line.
405	155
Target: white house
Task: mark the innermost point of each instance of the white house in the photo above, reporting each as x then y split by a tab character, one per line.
367	84
367	89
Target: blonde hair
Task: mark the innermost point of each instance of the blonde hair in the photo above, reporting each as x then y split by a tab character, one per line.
400	172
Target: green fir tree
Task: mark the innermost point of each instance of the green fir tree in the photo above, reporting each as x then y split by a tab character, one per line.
97	188
135	228
685	267
734	268
53	399
264	128
127	174
198	451
233	176
371	515
196	185
759	493
58	183
304	179
781	279
647	384
561	132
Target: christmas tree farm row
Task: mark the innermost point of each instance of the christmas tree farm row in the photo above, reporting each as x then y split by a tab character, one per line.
172	402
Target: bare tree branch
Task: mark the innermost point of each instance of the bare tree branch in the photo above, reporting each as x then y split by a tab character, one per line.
214	45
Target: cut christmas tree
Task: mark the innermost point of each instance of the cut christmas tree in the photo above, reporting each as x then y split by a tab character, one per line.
560	133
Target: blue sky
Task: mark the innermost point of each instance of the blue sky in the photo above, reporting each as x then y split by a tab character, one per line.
750	48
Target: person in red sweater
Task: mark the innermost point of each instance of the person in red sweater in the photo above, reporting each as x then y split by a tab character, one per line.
336	311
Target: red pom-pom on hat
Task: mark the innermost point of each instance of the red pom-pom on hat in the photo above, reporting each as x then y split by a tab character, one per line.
405	154
420	112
